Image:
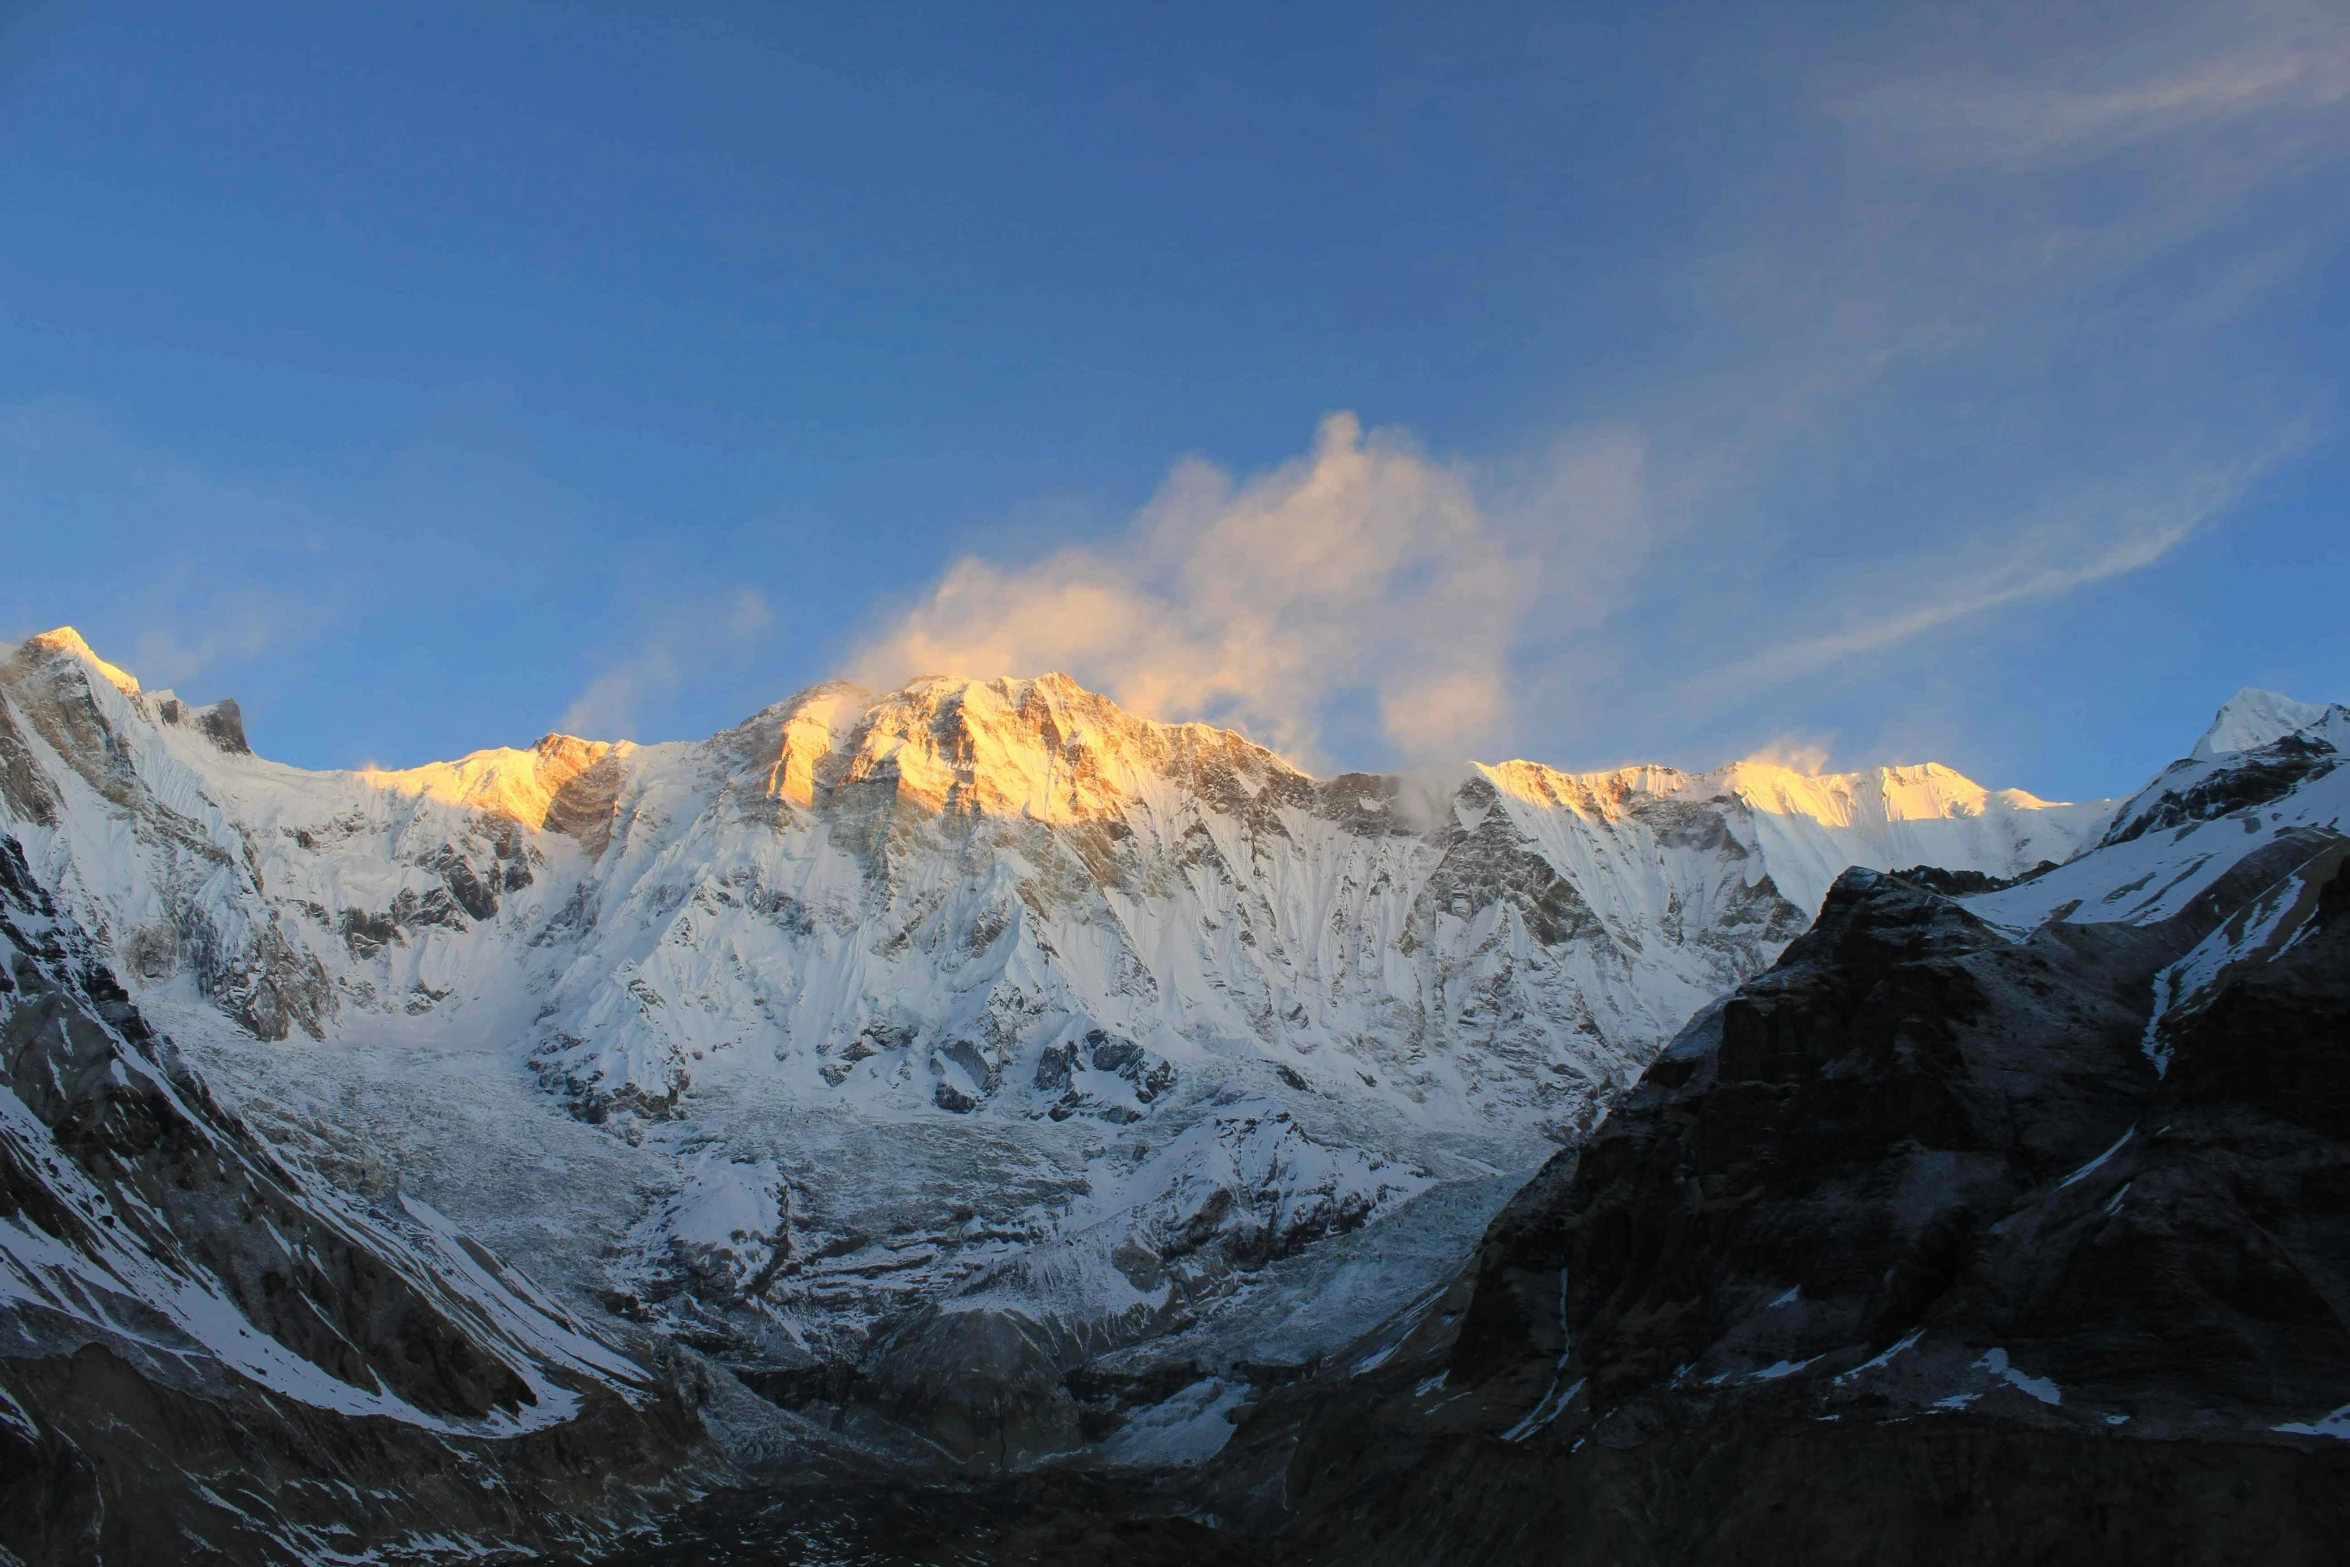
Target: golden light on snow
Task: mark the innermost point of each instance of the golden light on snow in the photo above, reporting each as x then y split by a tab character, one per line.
67	640
523	785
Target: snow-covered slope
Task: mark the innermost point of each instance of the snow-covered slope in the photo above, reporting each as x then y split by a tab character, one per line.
2195	822
978	997
205	1346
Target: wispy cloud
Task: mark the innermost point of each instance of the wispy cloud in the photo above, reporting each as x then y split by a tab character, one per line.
1987	337
1965	330
244	572
1803	753
2084	541
2115	88
1363	568
162	657
659	655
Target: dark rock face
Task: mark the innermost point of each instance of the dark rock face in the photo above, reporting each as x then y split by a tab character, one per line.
1910	1250
1494	864
1959	884
28	796
152	1239
1148	1074
224	724
2254	779
584	806
1914	1125
1054	1518
1810	1493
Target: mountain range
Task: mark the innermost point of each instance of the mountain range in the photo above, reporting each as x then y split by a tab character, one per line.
979	1080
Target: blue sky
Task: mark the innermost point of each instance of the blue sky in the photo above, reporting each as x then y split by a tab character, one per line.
1958	383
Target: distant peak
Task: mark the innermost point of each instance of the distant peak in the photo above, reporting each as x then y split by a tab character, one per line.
832	691
526	785
223	722
2253	718
567	748
64	638
1008	686
67	641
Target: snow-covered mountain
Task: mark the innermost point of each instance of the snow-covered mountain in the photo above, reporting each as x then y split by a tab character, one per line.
980	1026
1989	1224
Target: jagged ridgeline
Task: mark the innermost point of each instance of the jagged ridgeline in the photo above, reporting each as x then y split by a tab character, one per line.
977	1071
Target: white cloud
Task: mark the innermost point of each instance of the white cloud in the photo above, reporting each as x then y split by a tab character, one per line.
659	658
1362	568
1802	753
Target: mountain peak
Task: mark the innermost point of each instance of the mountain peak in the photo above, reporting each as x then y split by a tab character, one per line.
2253	718
66	641
523	785
1042	746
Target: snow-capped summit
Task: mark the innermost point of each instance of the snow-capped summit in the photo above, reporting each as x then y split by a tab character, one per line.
2253	718
1044	749
67	643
